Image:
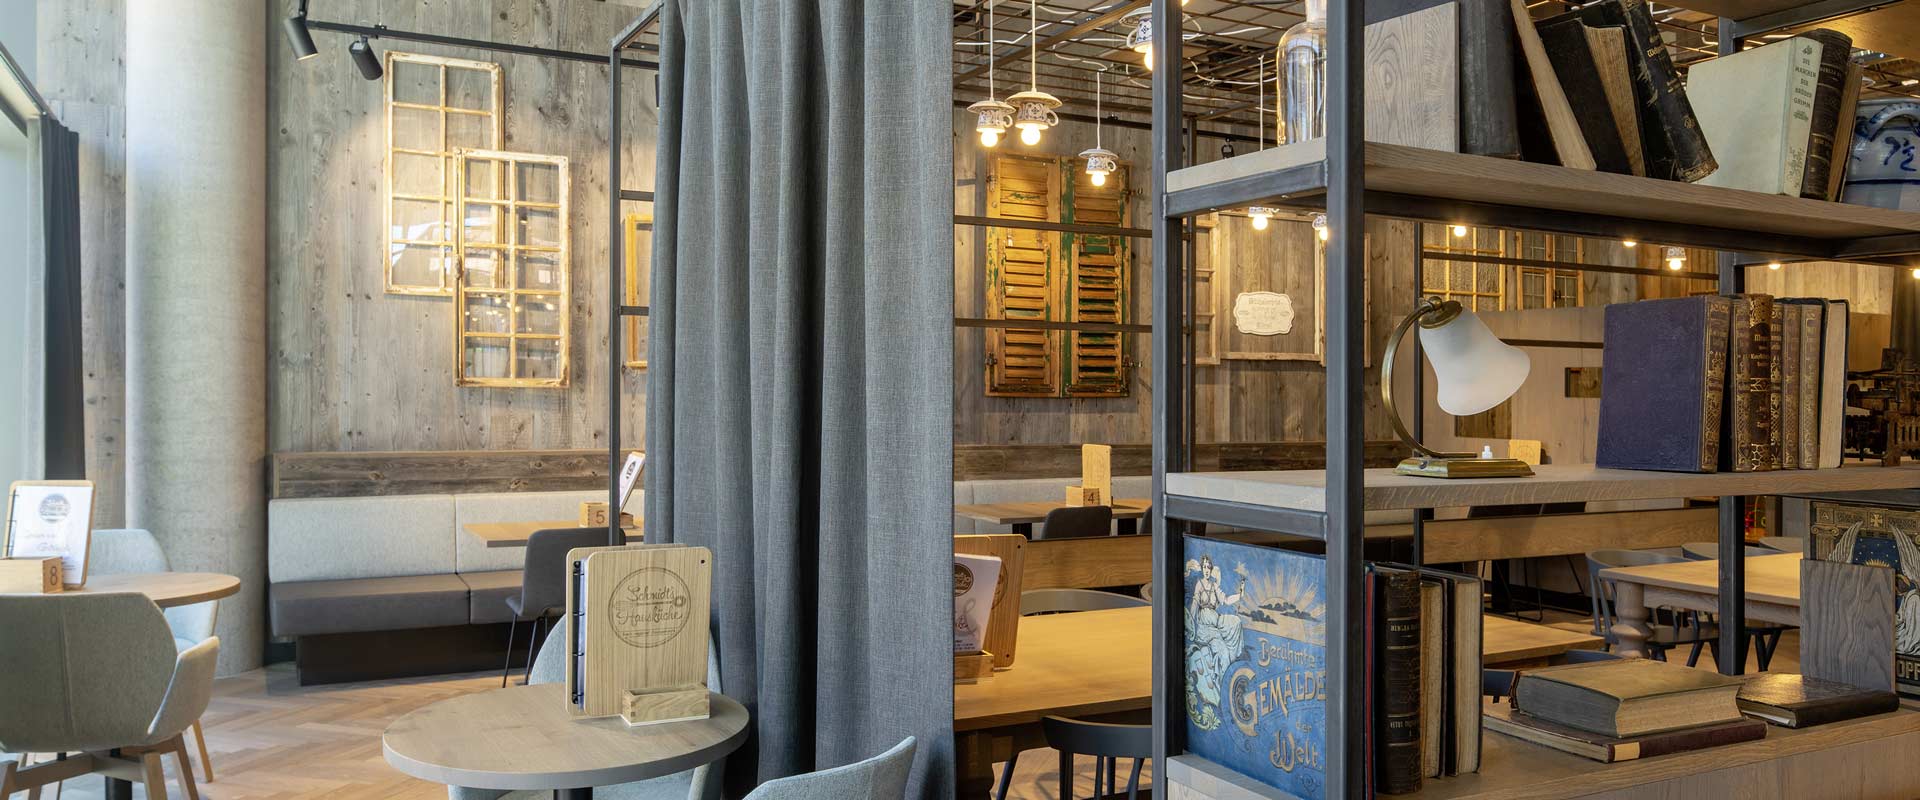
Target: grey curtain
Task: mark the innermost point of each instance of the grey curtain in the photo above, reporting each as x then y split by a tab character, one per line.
800	398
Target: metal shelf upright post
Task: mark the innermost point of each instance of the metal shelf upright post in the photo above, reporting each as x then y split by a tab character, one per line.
617	310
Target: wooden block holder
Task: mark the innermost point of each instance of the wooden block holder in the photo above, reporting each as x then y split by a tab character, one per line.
671	704
1078	496
30	575
971	667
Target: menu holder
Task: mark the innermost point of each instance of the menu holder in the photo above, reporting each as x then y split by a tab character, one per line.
51	519
636	632
971	667
1003	622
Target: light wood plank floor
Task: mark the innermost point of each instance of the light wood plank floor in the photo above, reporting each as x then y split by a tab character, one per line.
274	739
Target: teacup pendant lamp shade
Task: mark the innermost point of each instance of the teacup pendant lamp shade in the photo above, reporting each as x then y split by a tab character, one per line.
1033	114
1101	162
1475	371
1260	215
996	117
1140	39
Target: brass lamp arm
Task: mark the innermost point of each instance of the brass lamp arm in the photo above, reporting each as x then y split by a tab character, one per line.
1430	305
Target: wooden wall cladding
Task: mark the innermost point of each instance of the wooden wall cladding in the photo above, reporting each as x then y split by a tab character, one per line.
456	472
1001	462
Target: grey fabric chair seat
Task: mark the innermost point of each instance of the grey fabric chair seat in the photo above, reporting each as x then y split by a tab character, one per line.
882	777
491	593
309	608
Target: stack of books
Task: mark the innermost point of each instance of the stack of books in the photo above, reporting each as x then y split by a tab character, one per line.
1626	709
1745	383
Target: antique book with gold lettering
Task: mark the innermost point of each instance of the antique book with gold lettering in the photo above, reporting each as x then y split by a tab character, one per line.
636	632
1749	441
1661	394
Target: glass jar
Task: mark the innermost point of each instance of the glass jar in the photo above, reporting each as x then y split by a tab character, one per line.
1303	77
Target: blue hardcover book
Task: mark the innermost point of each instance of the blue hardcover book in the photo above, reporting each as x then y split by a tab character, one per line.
1256	622
1663	384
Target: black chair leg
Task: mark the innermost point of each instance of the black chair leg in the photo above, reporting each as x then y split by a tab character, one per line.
1133	781
533	646
1066	775
508	669
1006	778
1693	655
1113	765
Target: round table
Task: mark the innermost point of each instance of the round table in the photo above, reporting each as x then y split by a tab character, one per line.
524	738
165	589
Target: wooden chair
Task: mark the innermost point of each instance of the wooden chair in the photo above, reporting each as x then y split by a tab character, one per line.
1678	629
543	585
97	677
1107	743
118	551
1057	601
1075	522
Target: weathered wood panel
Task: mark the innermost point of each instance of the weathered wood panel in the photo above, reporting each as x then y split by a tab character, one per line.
359	474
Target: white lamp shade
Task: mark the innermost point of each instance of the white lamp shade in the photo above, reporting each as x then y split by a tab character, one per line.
1476	371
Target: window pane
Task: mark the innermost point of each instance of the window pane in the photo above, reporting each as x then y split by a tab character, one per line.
487	313
469	130
470	88
482	268
414	82
482	223
483	178
418	265
417	221
416	129
485	357
416	174
538	314
538	226
539	358
539	271
538	182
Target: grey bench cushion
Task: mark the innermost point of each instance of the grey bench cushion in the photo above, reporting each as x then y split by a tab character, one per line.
307	608
490	591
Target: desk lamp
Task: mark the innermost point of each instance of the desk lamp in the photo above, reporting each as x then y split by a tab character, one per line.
1475	371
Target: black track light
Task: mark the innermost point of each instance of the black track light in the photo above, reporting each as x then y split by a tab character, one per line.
363	57
299	37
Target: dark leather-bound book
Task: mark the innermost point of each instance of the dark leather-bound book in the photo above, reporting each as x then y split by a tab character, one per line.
1829	95
1608	749
1747	436
1397	706
1489	124
1675	147
1662	389
1798	701
1791	315
1568	45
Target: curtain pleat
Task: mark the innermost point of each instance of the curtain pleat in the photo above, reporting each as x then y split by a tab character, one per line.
800	404
65	410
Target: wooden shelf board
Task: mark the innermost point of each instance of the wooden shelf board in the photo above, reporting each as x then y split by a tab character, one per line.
1512	769
1305	490
1437	174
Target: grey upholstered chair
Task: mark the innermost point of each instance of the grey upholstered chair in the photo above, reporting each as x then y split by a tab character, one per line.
87	674
883	777
549	666
1076	522
543	585
1053	601
117	551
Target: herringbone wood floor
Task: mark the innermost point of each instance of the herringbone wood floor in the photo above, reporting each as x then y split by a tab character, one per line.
273	739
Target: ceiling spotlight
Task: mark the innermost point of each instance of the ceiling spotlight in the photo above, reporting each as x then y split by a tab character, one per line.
1260	215
364	58
298	37
1675	258
1773	265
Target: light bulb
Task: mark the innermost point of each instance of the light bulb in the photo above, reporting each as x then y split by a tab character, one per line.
1628	243
1146	55
1673	264
1916	273
1029	134
1675	257
989	138
1459	230
1323	234
1259	222
1099	178
1773	265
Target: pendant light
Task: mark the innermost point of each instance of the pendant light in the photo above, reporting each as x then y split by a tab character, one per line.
1034	108
1675	258
995	116
1260	214
1140	40
1101	162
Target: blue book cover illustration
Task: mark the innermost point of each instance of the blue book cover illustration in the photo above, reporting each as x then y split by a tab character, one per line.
1256	622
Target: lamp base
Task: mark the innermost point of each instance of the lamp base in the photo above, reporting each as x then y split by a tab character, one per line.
1464	467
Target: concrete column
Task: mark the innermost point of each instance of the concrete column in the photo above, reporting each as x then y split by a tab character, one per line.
196	296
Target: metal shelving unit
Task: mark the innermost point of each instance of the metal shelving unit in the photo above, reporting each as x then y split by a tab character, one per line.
628	40
1349	178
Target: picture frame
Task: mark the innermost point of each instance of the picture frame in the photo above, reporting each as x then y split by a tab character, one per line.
51	518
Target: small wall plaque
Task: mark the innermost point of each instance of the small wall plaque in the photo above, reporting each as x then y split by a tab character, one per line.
1263	313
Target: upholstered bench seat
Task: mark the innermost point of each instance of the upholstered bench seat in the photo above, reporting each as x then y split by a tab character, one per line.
490	591
311	608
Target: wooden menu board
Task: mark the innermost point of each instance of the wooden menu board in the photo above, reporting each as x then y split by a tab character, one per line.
1003	624
637	620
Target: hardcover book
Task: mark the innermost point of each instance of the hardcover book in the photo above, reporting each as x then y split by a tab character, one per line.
1887	537
1791	317
1256	662
1798	701
1627	697
1577	52
1747	435
1756	109
1396	717
1776	385
1833	382
1675	148
1608	749
1811	332
1829	95
1662	387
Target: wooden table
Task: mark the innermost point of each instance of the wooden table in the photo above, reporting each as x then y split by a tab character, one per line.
523	738
1022	515
1773	593
165	589
515	534
1509	643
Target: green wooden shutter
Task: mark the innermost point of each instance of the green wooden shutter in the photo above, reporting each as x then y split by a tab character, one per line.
1098	285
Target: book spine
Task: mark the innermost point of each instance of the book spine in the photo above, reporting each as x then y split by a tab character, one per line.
1790	316
1686	155
1842	159
1490	124
1714	380
1749	363
1699	739
1399	703
1776	385
1565	39
1829	92
1812	343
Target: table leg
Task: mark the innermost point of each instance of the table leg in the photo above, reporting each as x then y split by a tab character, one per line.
973	768
1630	628
118	789
573	794
1129	527
1024	529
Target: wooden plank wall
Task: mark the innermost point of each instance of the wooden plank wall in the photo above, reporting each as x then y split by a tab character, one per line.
355	369
440	472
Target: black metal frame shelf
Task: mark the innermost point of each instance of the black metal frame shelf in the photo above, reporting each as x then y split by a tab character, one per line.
1350	179
627	40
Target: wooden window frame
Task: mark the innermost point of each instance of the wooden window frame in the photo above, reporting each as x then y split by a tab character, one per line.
507	203
1554	242
447	198
1472	297
631	228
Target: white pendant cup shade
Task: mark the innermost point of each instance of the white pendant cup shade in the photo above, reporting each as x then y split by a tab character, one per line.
1475	370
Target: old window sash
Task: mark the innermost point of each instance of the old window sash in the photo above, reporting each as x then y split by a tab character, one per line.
513	324
1478	286
1547	287
1099	282
638	229
434	106
1020	278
